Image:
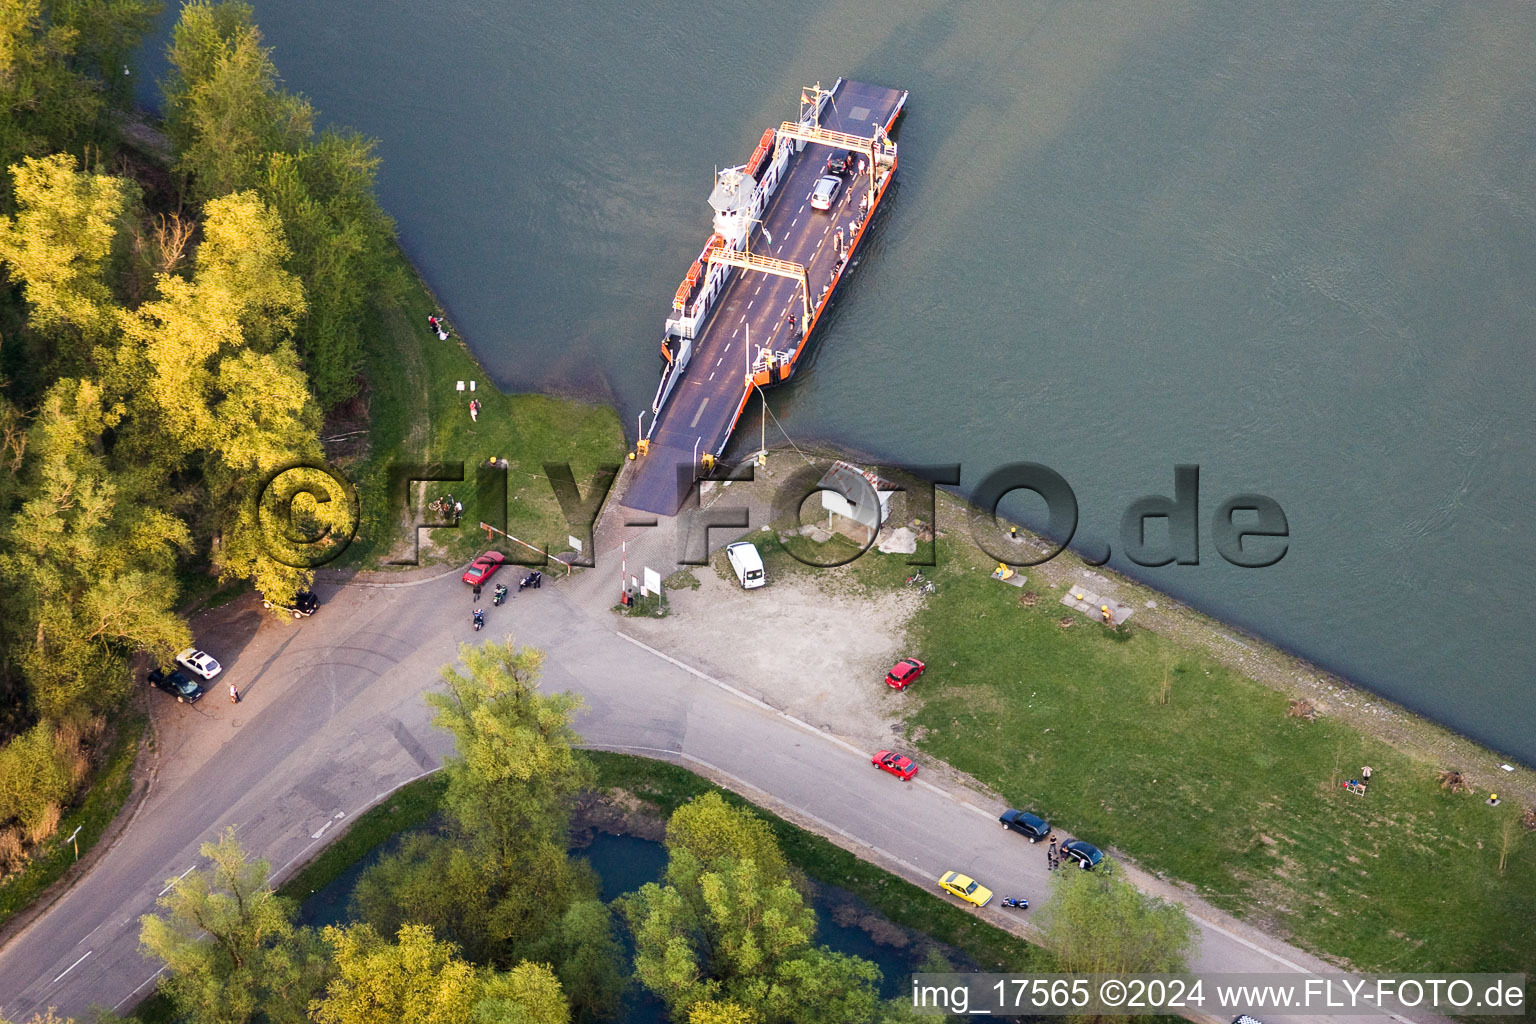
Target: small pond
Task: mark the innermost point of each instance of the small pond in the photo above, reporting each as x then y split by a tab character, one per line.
623	864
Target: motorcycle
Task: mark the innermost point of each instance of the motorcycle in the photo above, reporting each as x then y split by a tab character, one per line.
500	594
533	580
1015	903
479	620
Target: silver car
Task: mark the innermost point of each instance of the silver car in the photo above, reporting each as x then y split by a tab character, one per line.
825	192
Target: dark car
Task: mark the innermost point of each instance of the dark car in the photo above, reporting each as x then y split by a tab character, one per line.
841	162
175	684
1087	855
1031	826
304	605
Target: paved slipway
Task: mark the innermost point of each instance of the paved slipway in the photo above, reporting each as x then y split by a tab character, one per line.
333	720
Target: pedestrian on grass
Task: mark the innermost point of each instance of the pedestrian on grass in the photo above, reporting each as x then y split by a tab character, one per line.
1365	775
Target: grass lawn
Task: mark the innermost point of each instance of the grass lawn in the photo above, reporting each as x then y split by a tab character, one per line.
416	415
104	797
1216	785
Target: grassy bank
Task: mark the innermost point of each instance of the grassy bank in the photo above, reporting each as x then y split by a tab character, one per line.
1146	743
412	412
103	799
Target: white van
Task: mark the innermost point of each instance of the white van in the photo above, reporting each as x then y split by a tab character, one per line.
747	563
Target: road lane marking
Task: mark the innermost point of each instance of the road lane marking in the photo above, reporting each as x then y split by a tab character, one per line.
136	991
178	878
73	965
701	409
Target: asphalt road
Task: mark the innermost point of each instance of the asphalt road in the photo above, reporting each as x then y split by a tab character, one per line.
334	719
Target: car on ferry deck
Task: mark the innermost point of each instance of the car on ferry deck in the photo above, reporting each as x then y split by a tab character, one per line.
825	193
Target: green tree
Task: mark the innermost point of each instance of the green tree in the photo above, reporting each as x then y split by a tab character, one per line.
709	1012
91	567
722	931
589	960
527	994
416	978
711	829
1097	923
225	111
516	769
502	883
33	777
107	33
58	247
341	244
45	105
229	944
214	375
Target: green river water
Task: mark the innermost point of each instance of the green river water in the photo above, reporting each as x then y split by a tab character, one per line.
1292	243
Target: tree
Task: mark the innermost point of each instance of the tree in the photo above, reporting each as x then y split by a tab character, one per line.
229	944
589	961
710	1012
213	373
58	246
92	566
501	885
527	994
234	129
225	111
416	978
1097	923
516	768
340	241
45	105
720	931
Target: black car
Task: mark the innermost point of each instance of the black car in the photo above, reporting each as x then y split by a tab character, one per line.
175	684
1087	855
304	605
1031	826
841	162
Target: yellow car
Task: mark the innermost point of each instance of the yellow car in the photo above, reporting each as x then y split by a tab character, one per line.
965	887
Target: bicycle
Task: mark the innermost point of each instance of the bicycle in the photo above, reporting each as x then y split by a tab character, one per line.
917	579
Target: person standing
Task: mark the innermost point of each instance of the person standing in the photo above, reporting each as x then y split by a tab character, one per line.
1050	855
1365	775
234	694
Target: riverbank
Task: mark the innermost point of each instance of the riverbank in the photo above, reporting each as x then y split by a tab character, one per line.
1171	741
415	411
1225	792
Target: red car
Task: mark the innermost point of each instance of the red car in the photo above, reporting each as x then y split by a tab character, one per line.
899	765
904	673
482	568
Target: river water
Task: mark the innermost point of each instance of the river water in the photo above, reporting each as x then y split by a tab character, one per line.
1291	243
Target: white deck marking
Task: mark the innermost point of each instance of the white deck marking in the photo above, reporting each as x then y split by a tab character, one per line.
701	409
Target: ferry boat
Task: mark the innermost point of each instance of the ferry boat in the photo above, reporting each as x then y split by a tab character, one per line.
788	224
